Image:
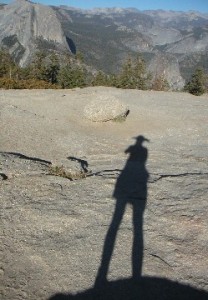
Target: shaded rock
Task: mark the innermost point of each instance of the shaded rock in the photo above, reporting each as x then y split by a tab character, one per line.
106	108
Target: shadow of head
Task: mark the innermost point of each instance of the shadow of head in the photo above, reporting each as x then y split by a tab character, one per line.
140	139
147	288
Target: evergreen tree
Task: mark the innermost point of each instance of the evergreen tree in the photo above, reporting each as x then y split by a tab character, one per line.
133	74
79	56
71	76
38	66
100	79
113	80
52	68
125	78
196	85
7	66
139	74
25	73
160	84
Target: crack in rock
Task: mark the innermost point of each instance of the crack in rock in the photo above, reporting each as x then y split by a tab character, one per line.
161	259
162	176
22	156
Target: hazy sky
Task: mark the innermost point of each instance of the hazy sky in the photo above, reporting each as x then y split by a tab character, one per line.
184	5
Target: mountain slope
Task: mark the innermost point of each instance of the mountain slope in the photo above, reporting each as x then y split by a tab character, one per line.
172	43
166	39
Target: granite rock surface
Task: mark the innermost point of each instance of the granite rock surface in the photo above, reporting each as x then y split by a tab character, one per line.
54	236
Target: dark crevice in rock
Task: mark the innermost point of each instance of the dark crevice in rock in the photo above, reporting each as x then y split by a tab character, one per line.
106	173
162	176
3	176
22	156
112	174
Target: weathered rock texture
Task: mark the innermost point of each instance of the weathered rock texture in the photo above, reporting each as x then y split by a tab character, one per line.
105	108
54	228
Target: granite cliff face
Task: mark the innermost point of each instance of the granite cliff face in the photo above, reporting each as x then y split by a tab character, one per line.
167	39
24	25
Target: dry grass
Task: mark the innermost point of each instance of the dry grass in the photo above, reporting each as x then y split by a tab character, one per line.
61	172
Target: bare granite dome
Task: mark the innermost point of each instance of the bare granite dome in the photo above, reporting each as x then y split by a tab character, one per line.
22	22
70	186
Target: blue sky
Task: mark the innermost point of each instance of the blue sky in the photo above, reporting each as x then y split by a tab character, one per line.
184	5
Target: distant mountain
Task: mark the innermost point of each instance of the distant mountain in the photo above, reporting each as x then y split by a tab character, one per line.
172	43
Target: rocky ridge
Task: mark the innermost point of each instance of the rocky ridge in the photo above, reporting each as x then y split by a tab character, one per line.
172	43
172	36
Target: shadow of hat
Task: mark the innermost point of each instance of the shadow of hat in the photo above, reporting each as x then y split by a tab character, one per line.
141	138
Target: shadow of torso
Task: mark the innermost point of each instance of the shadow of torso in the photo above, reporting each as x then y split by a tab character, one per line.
131	185
130	188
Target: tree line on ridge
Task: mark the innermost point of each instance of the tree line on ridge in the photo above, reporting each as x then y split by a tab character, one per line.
49	70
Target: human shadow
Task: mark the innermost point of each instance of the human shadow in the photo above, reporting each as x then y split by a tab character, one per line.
147	288
130	188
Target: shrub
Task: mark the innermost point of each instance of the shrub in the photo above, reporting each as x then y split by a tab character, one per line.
9	83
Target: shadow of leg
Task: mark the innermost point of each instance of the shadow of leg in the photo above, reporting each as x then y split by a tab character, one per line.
110	242
137	247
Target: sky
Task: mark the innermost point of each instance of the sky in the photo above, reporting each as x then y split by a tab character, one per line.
178	5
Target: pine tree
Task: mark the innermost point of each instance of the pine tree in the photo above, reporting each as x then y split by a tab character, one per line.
196	85
7	66
71	76
38	66
133	74
125	78
52	68
79	56
100	79
139	73
160	84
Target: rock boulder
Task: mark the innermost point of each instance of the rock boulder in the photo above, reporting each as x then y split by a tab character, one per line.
106	108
